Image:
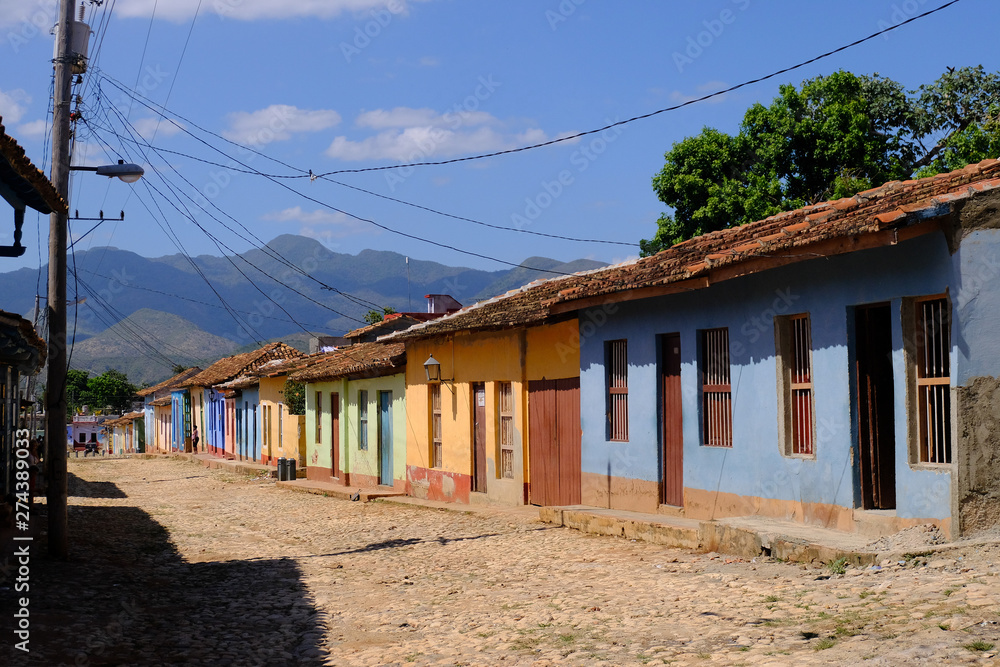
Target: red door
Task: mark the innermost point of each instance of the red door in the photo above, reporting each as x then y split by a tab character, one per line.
479	437
554	441
672	488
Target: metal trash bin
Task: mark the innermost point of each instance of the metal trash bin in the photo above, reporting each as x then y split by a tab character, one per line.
282	469
290	469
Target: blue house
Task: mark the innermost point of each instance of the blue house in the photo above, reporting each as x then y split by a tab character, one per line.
159	391
838	365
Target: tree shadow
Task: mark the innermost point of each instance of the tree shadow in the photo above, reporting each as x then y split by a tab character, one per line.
128	597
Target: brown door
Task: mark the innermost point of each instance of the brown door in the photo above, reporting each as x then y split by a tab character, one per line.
554	441
874	407
479	437
334	434
672	488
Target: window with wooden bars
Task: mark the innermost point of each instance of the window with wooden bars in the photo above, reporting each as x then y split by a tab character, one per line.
793	343
505	425
363	419
434	401
281	427
716	390
933	380
616	362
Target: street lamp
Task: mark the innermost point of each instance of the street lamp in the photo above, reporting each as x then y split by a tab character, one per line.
432	368
125	171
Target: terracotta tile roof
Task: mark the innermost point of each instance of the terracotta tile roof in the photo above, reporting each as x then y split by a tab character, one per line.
124	420
25	179
161	402
169	383
785	237
228	368
387	325
20	344
241	382
363	359
518	307
281	367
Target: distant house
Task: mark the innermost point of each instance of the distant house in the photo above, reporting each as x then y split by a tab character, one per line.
501	423
355	416
126	434
836	365
156	408
282	433
214	413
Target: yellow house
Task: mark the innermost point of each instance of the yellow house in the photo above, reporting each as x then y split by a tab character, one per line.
501	423
283	433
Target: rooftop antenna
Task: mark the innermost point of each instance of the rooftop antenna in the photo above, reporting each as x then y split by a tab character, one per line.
409	305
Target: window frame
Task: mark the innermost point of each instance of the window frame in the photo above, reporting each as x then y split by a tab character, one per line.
616	389
435	426
505	430
796	386
925	377
716	415
363	420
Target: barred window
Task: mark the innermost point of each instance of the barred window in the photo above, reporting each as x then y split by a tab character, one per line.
435	419
616	357
505	417
717	394
933	381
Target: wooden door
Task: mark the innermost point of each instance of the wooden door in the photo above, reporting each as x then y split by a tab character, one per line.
385	437
334	434
672	426
874	406
554	441
479	437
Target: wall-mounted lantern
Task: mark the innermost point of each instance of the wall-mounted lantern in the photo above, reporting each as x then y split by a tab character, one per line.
432	367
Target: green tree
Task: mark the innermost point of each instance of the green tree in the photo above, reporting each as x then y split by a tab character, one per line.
112	390
295	397
834	137
373	316
76	390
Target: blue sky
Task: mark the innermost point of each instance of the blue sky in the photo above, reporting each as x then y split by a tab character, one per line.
347	84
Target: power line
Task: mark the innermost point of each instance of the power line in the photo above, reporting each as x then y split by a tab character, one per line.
163	112
651	113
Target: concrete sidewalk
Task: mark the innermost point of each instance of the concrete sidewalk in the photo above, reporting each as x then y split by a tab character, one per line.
745	537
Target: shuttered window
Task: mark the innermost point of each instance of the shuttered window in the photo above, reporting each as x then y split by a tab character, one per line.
793	337
933	381
505	416
435	415
616	353
717	395
363	419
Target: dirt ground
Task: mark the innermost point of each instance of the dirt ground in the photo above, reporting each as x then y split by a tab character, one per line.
175	564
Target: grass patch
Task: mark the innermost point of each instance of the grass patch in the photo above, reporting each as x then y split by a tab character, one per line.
979	645
825	643
838	566
772	598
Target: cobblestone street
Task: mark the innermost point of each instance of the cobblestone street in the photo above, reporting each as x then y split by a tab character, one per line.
175	564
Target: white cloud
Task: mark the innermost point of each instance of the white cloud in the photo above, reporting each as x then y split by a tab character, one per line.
252	10
321	224
163	128
407	134
277	122
33	129
13	105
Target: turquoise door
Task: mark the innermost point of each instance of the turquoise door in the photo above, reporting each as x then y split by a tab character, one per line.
385	437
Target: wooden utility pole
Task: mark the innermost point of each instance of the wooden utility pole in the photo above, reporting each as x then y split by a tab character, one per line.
55	389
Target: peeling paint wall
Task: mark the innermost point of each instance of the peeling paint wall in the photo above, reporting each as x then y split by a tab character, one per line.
977	455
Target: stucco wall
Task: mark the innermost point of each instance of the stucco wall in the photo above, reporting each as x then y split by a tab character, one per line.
754	473
515	356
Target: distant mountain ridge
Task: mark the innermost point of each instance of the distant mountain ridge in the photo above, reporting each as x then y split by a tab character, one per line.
120	285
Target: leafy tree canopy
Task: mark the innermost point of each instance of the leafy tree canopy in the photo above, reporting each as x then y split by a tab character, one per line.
111	389
295	397
834	137
374	316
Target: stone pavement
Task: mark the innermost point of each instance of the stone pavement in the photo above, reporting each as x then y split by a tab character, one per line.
177	564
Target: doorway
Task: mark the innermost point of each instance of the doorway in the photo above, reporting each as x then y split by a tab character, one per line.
479	437
385	437
875	406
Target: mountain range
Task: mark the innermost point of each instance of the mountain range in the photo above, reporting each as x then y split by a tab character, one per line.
142	315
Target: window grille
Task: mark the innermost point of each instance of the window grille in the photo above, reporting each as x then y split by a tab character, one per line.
506	417
717	396
933	378
436	440
617	363
801	385
363	419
